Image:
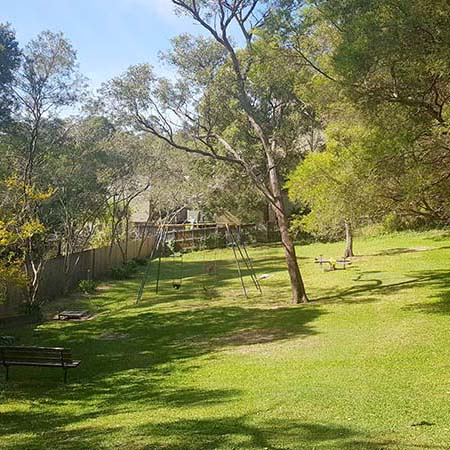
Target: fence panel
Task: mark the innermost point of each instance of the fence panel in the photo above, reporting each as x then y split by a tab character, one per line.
62	274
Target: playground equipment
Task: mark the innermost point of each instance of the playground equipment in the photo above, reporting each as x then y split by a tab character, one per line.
234	240
332	263
240	253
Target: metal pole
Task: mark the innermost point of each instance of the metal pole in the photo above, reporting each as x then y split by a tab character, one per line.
158	272
248	263
251	268
237	262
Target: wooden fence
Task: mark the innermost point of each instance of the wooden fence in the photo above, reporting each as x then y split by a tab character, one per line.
201	235
63	274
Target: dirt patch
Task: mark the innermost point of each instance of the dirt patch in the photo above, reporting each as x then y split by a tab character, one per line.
252	337
358	259
423	248
276	348
113	336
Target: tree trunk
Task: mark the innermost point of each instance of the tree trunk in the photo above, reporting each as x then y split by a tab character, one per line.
127	232
348	240
297	286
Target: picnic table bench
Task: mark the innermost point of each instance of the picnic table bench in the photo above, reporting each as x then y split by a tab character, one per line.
37	357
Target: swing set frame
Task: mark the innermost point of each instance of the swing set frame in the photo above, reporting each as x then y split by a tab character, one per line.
234	241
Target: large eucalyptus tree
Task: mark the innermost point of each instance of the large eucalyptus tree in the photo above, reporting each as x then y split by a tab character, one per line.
235	100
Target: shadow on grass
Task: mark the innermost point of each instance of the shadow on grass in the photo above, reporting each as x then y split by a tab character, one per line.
241	433
439	281
195	434
372	288
133	374
400	251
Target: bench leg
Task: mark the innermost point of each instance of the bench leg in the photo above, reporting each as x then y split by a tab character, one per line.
7	373
65	375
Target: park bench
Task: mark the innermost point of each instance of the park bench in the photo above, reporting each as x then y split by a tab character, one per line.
37	357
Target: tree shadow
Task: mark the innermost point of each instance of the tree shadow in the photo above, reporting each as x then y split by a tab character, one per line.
439	301
401	251
232	432
132	373
373	287
242	433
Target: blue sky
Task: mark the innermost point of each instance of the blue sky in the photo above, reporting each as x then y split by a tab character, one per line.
109	35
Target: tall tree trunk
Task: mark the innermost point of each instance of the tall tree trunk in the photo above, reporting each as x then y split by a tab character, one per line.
348	239
127	236
297	286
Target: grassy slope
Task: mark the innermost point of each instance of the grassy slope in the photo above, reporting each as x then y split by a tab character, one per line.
364	366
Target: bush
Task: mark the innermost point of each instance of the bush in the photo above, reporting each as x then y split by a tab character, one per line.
140	261
118	273
171	247
214	240
33	310
132	266
124	271
87	286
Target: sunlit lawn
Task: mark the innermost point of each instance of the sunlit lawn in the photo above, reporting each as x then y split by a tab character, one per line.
366	365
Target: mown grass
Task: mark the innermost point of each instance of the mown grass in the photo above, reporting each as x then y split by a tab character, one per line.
365	365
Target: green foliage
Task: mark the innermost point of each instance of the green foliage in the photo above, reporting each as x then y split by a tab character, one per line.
33	310
326	183
140	261
9	62
124	271
214	240
87	286
394	52
18	227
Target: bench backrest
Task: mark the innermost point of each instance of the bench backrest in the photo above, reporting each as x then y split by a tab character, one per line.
35	354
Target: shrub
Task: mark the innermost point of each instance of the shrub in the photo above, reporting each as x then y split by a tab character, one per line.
132	266
140	261
87	286
33	310
119	272
216	240
124	271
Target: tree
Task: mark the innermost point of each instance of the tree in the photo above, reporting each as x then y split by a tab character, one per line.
17	230
46	81
9	62
393	52
335	185
388	62
230	104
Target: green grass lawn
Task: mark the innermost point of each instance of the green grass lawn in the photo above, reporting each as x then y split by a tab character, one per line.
365	365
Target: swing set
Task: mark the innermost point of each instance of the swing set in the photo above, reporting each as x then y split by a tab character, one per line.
163	245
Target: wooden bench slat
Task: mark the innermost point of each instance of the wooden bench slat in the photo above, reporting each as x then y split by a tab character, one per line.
31	352
32	348
70	365
37	360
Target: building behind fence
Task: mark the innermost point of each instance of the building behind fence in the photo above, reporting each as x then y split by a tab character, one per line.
63	274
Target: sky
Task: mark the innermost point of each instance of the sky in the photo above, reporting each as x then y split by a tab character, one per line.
109	35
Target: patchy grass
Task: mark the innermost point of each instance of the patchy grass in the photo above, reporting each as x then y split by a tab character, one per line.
366	365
